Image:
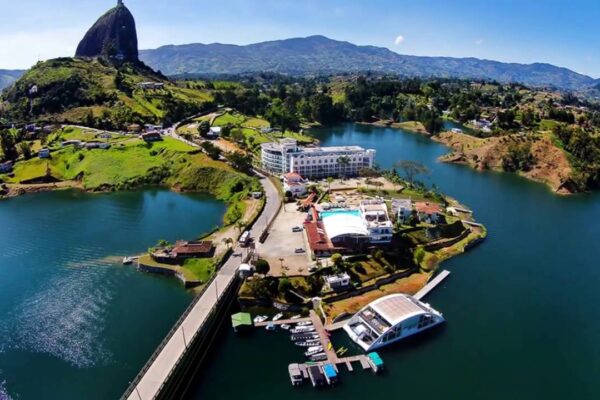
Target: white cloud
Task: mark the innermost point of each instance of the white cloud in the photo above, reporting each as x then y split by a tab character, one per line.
399	40
479	42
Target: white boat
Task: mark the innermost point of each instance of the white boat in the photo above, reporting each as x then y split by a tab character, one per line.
298	316
270	327
277	317
313	350
128	260
304	323
260	318
285	327
295	374
309	343
303	329
301	337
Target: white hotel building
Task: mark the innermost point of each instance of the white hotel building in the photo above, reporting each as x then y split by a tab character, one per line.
315	162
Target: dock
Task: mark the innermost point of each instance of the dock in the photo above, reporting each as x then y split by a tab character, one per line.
432	284
282	322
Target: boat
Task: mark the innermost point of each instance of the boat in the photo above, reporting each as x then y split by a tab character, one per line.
270	326
312	350
303	329
260	318
304	336
304	323
128	260
318	357
295	374
330	374
277	317
375	361
297	316
285	327
316	376
308	343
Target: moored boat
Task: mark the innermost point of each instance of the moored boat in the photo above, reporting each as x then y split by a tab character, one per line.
308	343
295	374
318	357
312	350
260	318
271	326
303	329
285	327
278	316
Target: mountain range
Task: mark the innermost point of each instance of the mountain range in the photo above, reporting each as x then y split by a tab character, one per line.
320	55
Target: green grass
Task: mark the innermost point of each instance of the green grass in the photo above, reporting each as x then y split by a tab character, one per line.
547	125
256	123
200	268
228	118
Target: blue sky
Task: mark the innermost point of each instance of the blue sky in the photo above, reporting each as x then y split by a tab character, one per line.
560	32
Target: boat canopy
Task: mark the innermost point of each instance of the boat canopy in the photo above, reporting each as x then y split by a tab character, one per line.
241	319
376	359
329	371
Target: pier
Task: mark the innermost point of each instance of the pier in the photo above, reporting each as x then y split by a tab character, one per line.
432	284
163	376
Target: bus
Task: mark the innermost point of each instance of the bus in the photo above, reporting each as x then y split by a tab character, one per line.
244	239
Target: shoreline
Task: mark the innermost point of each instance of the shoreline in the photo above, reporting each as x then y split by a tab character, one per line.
562	188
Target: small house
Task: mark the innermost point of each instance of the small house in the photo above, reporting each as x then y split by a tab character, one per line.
44	153
6	167
336	282
151	136
404	210
214	132
151	85
294	183
428	213
183	250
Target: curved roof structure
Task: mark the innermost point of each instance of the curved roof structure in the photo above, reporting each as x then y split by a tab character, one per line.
389	319
343	223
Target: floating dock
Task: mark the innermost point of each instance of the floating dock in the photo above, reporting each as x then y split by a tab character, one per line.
432	284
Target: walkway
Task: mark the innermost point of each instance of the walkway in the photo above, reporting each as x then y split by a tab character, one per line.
432	284
164	362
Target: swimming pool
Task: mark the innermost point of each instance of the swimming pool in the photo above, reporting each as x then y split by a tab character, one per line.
338	212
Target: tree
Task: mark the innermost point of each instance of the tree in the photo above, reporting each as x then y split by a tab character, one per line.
203	128
228	242
240	161
25	149
329	182
240	225
411	169
211	150
7	145
262	266
344	161
337	259
284	285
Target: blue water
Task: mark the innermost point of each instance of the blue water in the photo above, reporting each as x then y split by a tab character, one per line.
329	213
522	309
74	322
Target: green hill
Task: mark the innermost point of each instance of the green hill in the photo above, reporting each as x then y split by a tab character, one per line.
95	92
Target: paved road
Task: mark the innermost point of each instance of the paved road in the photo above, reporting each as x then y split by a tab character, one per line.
151	382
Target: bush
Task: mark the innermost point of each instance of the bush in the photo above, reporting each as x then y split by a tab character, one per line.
284	285
419	255
262	266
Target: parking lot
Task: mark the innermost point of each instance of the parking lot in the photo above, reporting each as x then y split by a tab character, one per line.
279	248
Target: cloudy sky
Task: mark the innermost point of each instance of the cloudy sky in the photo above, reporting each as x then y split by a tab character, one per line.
560	32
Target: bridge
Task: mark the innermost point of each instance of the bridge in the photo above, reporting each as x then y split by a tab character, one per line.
169	356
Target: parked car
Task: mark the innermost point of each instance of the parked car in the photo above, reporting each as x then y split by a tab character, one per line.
297	229
299	250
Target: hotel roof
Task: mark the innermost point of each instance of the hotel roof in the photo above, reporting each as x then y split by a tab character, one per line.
340	224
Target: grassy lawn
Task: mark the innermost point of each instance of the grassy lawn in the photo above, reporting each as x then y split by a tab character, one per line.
229	118
200	268
256	123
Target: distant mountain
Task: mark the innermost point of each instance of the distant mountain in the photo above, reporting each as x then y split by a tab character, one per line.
320	55
7	77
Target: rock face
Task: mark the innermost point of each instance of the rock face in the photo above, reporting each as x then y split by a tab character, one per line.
113	36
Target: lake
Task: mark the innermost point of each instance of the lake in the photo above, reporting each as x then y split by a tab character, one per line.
74	322
522	309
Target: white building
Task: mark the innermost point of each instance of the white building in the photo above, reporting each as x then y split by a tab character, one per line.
315	162
215	131
389	319
404	210
294	183
375	216
151	85
335	282
369	224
